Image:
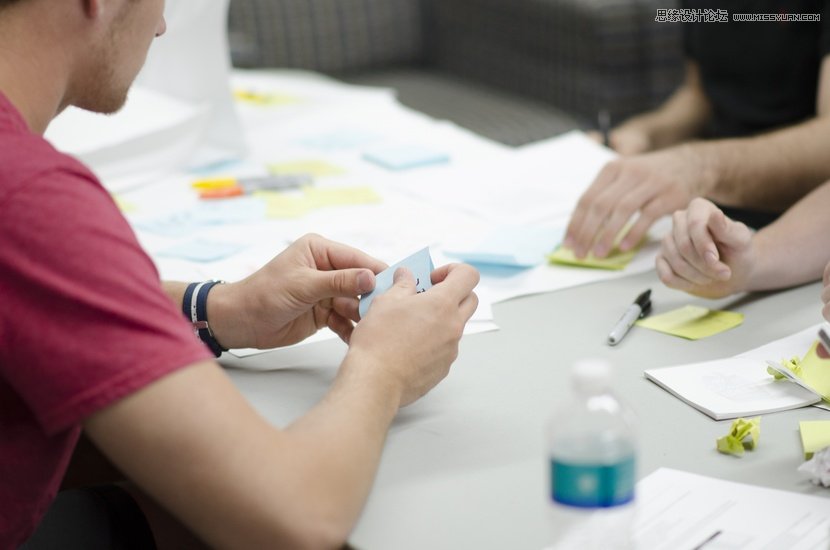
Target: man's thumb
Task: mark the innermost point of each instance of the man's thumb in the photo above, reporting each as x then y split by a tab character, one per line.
346	283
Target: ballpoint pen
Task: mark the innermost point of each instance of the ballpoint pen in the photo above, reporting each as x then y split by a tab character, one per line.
639	309
604	124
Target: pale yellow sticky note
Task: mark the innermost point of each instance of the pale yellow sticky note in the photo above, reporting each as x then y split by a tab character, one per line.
125	206
319	197
693	322
815	435
264	99
280	205
616	260
813	370
315	168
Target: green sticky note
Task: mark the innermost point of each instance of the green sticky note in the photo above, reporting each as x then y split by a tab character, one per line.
315	168
340	196
815	436
743	435
693	322
616	260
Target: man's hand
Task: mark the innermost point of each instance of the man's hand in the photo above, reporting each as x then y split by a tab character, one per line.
314	283
413	338
706	254
653	185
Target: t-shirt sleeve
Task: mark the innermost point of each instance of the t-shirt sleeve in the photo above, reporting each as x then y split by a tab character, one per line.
84	320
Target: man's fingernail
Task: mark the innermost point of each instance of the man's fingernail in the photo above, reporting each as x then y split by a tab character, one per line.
724	274
711	257
365	282
600	251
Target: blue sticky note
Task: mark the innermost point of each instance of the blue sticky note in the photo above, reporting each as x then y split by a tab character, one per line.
512	246
420	264
404	157
201	250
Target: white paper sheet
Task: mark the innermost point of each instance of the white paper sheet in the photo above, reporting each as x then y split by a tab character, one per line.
740	385
680	510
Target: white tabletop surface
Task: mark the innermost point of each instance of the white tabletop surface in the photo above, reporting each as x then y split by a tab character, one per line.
465	467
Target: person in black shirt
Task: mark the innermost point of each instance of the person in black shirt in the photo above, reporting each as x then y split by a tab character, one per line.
759	91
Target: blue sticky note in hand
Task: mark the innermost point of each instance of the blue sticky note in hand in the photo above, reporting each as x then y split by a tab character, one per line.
420	264
403	157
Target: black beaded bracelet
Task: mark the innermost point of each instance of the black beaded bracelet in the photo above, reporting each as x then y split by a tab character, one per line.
194	307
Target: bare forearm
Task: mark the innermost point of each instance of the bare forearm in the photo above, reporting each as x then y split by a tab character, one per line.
771	171
680	118
795	249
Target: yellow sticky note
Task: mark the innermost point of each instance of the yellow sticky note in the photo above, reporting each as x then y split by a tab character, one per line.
815	435
284	205
812	370
125	206
264	99
316	168
693	322
340	196
616	260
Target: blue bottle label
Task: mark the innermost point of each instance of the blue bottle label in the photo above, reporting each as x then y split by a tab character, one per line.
592	485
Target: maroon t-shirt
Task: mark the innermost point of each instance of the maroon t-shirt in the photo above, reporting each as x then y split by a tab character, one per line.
83	318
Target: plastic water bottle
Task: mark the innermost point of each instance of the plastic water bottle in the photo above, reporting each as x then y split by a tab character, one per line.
592	452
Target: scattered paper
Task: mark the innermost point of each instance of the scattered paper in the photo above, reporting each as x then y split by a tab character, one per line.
818	467
405	157
316	168
341	139
680	510
693	322
419	264
287	205
743	435
815	436
264	99
201	250
512	246
320	197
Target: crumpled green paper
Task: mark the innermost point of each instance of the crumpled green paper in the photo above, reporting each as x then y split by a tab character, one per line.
744	435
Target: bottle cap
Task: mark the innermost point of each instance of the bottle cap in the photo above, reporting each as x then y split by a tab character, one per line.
591	375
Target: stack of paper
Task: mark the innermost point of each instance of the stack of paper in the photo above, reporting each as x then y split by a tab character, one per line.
740	385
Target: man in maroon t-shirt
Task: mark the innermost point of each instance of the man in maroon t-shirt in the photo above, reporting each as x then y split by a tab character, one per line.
91	341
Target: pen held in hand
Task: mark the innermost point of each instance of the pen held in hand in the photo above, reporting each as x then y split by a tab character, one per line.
639	309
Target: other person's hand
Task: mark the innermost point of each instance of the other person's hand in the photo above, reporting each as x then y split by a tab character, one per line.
706	253
651	185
